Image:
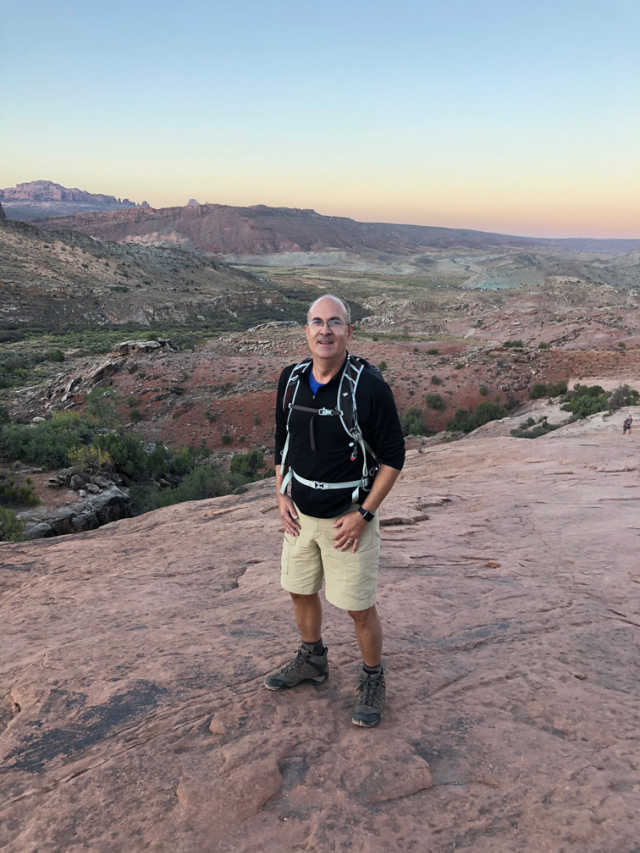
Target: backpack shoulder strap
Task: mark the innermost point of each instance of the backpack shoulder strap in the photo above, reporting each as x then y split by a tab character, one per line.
291	387
288	399
347	402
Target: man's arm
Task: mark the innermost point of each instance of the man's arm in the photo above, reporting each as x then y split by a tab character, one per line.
382	485
286	507
351	526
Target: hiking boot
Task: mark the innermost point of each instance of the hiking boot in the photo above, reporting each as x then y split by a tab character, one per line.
371	692
304	667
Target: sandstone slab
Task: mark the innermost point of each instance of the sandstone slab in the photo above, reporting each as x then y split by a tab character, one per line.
132	711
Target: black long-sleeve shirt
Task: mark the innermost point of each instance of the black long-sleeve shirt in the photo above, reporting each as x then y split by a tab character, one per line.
331	460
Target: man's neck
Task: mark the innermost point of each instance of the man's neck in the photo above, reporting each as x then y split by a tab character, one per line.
325	369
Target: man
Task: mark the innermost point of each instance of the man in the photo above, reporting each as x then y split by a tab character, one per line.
339	474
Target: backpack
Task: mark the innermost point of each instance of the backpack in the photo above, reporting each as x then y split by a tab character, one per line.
345	409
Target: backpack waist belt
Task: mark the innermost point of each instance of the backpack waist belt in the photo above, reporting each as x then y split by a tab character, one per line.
356	485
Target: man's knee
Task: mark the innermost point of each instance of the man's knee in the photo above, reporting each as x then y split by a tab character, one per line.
363	617
303	599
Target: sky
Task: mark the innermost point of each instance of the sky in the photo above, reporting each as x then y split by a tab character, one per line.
501	115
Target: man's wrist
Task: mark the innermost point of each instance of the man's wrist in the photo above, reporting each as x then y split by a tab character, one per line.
366	514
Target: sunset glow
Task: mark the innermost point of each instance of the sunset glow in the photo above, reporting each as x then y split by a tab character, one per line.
495	117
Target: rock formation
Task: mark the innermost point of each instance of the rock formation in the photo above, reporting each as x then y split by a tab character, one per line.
101	505
132	711
38	199
263	230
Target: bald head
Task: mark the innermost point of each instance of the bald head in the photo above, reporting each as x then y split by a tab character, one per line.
342	306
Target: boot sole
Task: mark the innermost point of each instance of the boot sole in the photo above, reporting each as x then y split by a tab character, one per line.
364	724
316	679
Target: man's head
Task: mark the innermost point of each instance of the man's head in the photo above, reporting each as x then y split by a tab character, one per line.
329	330
344	308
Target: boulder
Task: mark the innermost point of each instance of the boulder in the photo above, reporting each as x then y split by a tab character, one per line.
78	481
96	510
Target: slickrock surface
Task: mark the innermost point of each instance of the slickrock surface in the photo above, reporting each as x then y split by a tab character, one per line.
133	714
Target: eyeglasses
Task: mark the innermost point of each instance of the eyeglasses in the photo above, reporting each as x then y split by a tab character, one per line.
331	323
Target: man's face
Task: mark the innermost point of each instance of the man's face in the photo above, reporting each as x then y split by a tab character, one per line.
327	330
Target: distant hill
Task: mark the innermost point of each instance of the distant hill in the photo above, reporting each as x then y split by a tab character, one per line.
43	199
262	230
61	280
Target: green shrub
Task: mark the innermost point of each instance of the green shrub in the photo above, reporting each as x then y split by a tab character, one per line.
517	344
585	400
178	462
47	443
101	406
551	389
622	396
4	415
382	366
13	493
436	380
542	345
90	458
538	390
203	481
128	454
226	438
247	464
435	401
555	389
466	421
15	368
55	355
536	431
460	422
483	390
622	345
433	351
11	527
413	423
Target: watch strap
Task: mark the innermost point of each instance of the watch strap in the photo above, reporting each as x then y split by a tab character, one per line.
368	516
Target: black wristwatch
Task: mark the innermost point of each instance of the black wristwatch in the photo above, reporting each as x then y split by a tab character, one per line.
368	516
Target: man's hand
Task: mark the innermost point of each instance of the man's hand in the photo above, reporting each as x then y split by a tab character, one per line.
350	528
288	515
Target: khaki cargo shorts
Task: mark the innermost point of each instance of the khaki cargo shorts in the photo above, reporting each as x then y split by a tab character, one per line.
349	579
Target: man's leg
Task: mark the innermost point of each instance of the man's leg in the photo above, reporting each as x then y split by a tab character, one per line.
368	634
371	689
308	613
310	663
